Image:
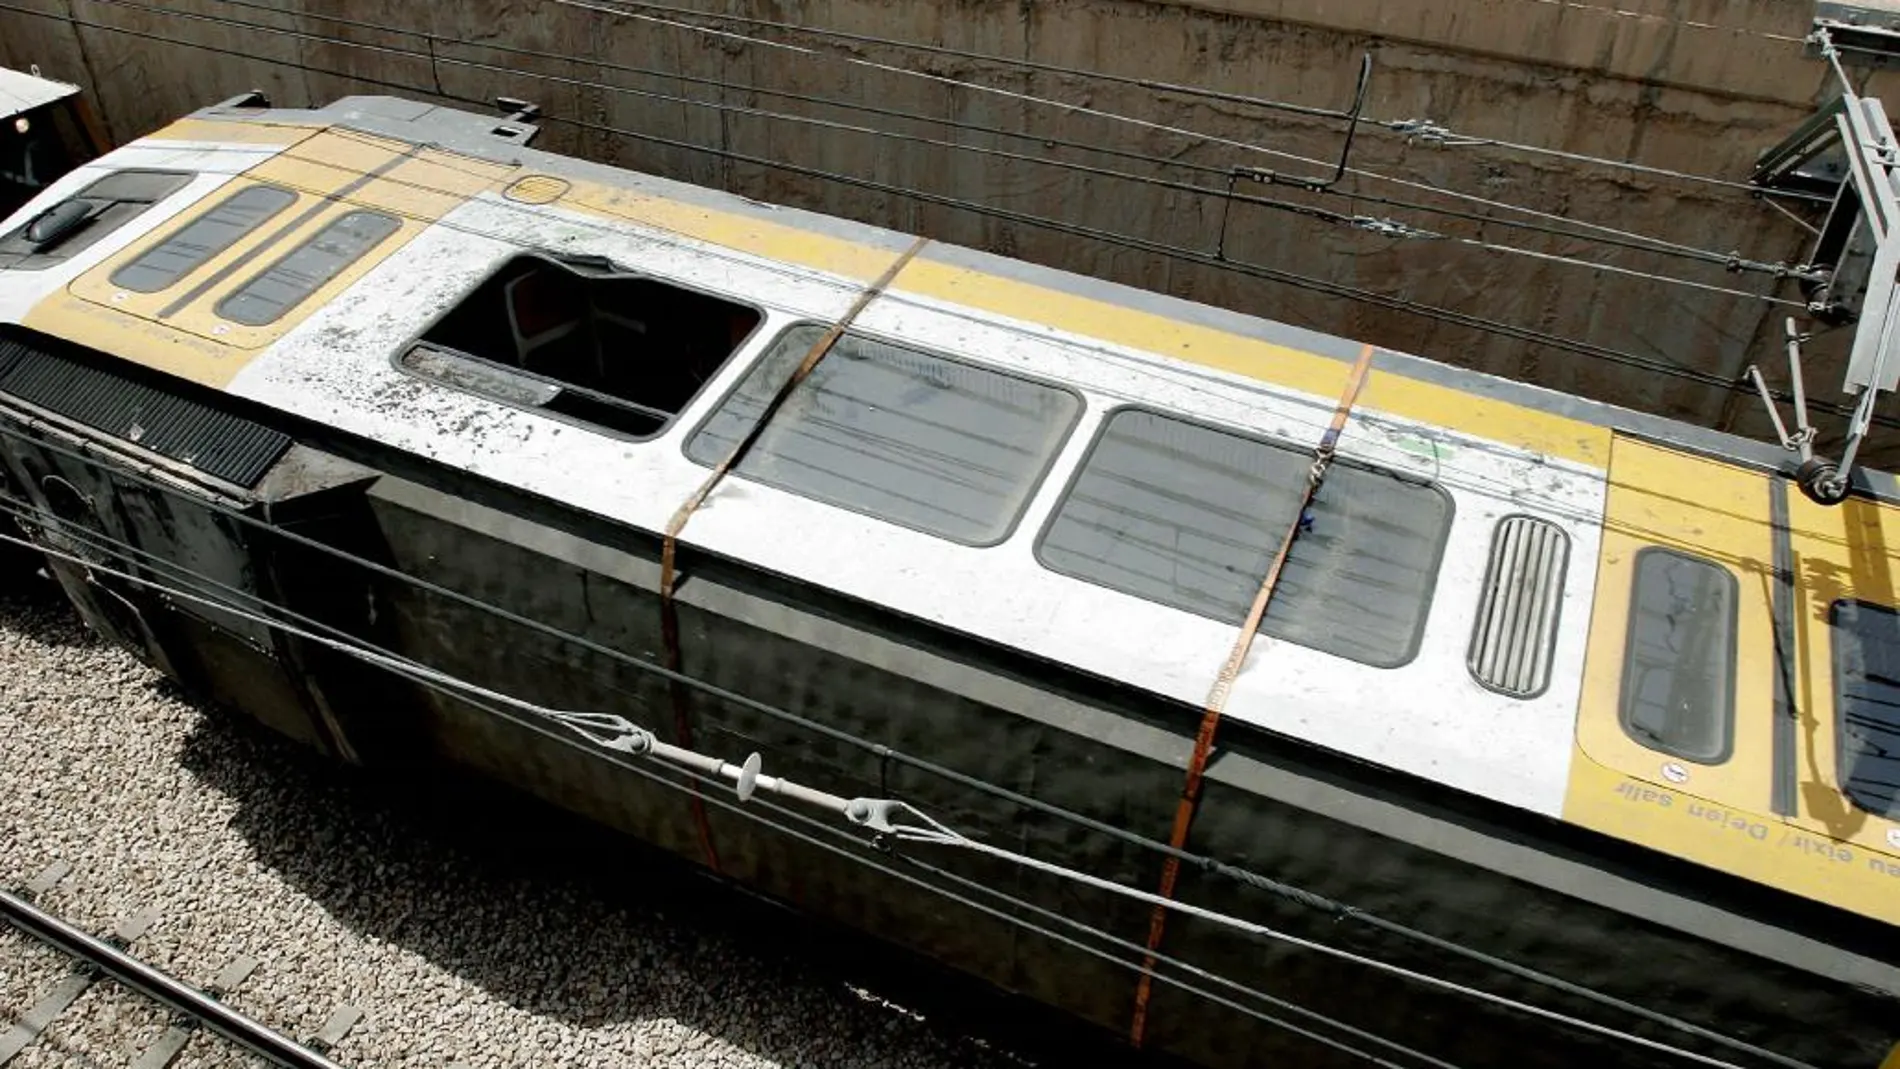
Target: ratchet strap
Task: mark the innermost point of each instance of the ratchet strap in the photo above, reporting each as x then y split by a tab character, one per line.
669	546
1224	685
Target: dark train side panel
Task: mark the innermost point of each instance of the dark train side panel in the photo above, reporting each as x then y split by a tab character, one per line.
586	627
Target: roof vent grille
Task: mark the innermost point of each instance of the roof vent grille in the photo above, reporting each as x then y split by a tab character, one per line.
1512	644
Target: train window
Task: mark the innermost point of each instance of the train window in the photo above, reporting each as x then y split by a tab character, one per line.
303	270
1867	695
1679	666
209	234
904	435
76	223
1191	516
584	340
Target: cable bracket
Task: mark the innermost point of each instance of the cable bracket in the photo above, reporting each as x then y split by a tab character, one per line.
1822	480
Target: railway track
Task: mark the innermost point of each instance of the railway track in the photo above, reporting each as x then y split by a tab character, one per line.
198	1016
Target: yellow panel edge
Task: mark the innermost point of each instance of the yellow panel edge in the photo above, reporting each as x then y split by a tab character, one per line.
1400	395
240	131
1732	839
140	341
759	237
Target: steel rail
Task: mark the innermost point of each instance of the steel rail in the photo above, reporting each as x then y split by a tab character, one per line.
172	993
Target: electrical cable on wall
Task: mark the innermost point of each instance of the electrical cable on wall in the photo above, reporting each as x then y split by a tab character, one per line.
606	6
1410	129
1728	261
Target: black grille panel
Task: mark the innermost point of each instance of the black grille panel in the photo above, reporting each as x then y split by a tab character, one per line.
217	443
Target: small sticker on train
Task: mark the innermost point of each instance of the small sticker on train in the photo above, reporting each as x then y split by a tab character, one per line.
1674	772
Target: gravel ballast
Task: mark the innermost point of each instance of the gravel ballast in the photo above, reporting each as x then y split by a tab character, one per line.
464	940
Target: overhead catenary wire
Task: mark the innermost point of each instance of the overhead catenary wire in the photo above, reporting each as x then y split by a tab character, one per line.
605	730
1628	272
1424	130
1727	261
749	811
1291	893
434	56
585	725
962	842
1624	238
1409	128
1532	335
1795	219
885	753
1083	109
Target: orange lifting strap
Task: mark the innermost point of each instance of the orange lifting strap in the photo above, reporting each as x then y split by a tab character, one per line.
669	547
1224	685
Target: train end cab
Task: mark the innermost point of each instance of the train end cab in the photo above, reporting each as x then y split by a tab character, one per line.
46	130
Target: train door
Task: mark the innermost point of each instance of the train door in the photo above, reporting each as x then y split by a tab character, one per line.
1841	765
1741	698
1680	677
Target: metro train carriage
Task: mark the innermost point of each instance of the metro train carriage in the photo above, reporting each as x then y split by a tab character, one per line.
1571	735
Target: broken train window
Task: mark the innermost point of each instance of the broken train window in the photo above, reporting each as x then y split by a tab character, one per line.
585	340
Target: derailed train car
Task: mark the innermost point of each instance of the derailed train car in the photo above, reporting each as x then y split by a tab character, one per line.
1568	737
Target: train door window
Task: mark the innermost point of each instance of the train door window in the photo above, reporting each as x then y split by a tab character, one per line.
1191	516
1866	641
303	270
904	435
1679	669
76	223
190	246
586	341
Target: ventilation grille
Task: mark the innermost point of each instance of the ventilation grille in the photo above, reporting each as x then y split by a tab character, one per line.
1517	618
217	443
